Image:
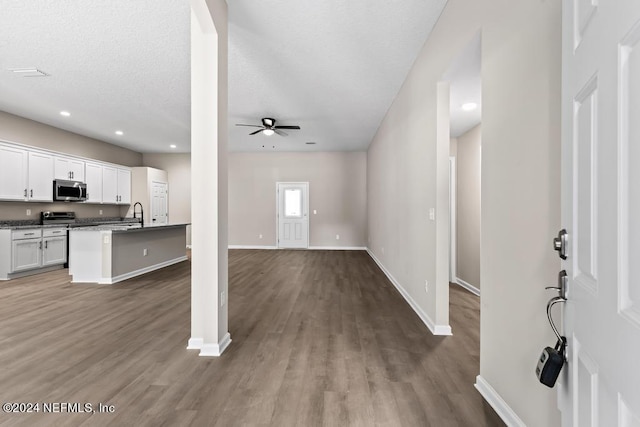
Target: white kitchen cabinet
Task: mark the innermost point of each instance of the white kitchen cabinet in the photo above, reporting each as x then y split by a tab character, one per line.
13	173
69	168
109	185
26	249
124	186
54	250
40	177
93	179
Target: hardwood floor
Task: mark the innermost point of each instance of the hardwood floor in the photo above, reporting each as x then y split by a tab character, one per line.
319	338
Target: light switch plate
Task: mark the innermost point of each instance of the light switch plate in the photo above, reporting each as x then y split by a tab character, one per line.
432	214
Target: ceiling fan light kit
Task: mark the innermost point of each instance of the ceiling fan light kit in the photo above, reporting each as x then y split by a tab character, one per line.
269	127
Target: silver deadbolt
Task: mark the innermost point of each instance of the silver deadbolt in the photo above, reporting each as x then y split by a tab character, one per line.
560	243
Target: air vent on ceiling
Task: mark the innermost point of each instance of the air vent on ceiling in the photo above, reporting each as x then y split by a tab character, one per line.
28	72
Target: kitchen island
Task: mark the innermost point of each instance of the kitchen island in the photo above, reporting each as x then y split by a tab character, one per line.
108	254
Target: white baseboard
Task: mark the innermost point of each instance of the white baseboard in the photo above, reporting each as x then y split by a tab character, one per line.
337	248
215	350
142	271
468	286
195	343
251	247
435	329
498	404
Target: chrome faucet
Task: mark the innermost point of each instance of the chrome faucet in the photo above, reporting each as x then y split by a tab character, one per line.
141	213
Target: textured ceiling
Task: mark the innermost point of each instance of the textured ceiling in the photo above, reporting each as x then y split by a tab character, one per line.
114	65
332	67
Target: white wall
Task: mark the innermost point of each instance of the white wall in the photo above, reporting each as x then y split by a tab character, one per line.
468	206
337	191
520	192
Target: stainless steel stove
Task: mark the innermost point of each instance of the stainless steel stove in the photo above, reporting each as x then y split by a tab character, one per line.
51	218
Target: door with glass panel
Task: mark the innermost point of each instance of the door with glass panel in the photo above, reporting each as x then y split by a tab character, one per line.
293	214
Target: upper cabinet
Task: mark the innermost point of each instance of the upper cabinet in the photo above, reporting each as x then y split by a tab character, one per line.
27	174
40	177
116	185
13	173
93	179
124	186
69	168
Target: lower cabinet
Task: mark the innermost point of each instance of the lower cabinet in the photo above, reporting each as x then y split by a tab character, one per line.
26	254
36	248
54	250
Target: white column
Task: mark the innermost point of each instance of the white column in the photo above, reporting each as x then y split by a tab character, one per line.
209	325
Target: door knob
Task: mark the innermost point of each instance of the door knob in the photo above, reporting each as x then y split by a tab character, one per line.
560	243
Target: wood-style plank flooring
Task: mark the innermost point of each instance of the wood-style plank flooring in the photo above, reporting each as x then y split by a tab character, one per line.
319	338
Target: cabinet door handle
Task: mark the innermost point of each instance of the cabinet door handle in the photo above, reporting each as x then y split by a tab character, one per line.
32	192
25	192
72	175
40	244
46	244
29	234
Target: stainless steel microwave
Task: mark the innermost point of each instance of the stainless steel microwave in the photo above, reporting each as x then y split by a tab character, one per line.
69	191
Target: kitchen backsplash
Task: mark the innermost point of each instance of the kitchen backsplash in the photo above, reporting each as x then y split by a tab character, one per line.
18	210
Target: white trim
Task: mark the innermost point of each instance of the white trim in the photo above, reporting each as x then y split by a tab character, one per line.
453	191
498	404
139	272
435	329
337	248
188	246
468	286
251	247
195	343
215	350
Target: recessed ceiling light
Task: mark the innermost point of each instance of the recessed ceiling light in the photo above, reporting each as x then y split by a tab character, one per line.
65	113
268	132
173	146
469	106
119	133
310	143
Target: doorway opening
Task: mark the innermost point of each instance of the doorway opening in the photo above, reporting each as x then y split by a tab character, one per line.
464	77
292	219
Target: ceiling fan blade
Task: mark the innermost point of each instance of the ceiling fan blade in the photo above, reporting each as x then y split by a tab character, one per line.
279	132
258	131
253	126
286	127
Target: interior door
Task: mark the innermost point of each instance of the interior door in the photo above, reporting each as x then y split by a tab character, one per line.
159	214
293	214
601	211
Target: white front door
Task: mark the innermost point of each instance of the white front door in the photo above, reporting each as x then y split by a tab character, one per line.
600	384
293	214
159	210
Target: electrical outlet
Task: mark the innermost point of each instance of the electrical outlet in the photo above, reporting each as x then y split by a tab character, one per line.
337	237
144	252
223	298
28	212
260	236
426	286
100	212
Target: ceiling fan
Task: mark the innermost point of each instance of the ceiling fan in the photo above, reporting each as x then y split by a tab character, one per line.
269	127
